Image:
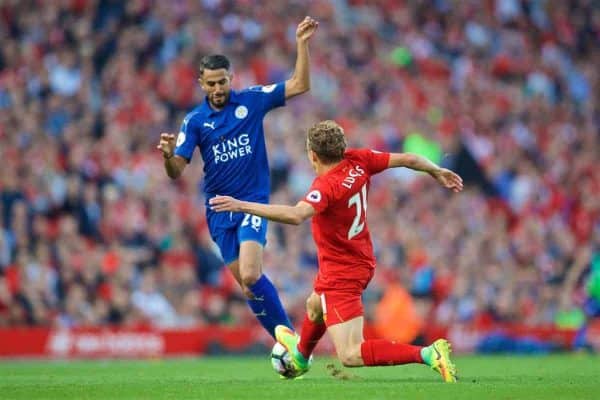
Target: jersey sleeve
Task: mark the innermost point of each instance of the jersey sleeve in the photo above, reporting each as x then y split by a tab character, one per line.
375	161
318	196
269	96
378	161
187	139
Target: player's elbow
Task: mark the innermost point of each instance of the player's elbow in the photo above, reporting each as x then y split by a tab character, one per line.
411	161
303	87
297	86
295	220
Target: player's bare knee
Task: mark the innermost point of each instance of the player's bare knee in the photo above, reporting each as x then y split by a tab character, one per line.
314	309
250	274
247	292
350	356
315	316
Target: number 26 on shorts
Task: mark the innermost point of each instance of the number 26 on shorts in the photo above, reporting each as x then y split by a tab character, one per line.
252	220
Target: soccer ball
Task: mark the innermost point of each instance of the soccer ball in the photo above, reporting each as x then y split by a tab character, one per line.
281	361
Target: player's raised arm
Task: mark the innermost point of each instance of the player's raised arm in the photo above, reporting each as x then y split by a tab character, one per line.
300	80
174	165
293	215
444	176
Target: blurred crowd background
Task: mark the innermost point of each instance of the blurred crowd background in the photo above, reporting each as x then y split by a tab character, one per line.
506	92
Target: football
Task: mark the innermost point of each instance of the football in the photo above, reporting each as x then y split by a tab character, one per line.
280	360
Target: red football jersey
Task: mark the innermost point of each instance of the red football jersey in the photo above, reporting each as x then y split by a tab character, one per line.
339	226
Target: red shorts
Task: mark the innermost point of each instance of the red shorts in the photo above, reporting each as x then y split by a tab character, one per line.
342	300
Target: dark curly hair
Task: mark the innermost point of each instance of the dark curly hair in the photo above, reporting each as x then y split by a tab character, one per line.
327	140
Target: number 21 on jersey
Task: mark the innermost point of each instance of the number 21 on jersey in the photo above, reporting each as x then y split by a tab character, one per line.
359	201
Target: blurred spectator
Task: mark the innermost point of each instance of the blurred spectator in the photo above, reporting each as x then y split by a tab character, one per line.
504	91
152	303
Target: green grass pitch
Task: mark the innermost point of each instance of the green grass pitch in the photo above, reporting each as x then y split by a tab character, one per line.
481	377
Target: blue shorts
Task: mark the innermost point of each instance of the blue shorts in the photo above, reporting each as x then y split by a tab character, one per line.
229	229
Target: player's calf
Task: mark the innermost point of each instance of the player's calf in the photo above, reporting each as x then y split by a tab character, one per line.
314	310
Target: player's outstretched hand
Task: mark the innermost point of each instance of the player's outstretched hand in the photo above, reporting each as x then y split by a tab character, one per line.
224	203
449	179
166	144
306	28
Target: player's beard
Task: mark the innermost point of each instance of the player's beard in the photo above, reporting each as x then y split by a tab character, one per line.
219	102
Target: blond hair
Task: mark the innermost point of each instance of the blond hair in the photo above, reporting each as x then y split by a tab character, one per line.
327	140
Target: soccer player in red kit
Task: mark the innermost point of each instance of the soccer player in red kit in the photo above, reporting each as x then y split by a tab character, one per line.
337	203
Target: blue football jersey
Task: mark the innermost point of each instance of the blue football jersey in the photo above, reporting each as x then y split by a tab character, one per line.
232	142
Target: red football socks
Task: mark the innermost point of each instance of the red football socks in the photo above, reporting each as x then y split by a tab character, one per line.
386	352
310	335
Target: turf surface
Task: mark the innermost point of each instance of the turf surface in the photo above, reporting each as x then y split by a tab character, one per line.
481	377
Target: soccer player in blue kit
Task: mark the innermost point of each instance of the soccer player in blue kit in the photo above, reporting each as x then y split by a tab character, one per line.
228	129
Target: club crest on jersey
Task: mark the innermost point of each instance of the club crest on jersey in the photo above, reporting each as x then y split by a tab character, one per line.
241	112
314	196
180	139
268	88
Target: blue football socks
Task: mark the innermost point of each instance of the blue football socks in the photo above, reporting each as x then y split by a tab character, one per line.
266	305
